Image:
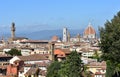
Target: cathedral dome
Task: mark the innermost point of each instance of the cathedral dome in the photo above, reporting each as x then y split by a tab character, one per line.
89	30
55	38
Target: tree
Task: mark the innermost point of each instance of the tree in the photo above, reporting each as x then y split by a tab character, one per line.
53	69
72	66
14	52
110	45
96	55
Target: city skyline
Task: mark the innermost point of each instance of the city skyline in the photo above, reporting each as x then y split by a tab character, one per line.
59	38
50	15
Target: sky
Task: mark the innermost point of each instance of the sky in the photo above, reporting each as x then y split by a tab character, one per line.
35	15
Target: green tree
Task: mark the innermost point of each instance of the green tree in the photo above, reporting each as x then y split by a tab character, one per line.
110	45
72	66
96	55
14	52
53	69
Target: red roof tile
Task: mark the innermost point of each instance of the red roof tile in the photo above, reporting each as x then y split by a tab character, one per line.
34	57
31	71
89	30
103	63
59	52
42	72
42	64
99	73
54	38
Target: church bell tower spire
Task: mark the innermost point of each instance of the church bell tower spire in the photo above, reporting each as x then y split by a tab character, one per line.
13	30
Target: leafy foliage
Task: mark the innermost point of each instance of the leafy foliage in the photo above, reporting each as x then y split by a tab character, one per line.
71	67
14	52
96	55
110	44
53	69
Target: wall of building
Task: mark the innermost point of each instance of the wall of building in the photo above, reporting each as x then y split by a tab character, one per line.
11	70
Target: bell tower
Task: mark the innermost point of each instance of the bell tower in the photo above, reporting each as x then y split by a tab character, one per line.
78	37
68	35
64	34
13	30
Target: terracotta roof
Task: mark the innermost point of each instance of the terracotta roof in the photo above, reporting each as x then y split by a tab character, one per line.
59	52
89	30
77	44
42	72
35	41
99	73
85	49
32	71
28	65
66	51
102	68
55	38
42	64
103	63
34	57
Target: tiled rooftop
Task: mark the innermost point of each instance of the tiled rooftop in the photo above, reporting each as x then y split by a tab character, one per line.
32	71
34	57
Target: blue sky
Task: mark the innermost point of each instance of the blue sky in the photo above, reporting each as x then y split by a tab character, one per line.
35	15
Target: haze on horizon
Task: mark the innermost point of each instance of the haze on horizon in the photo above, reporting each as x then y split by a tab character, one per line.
35	15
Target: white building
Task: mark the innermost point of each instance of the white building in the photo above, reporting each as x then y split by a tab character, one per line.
64	34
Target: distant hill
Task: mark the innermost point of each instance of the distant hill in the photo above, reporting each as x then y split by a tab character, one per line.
44	34
47	34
